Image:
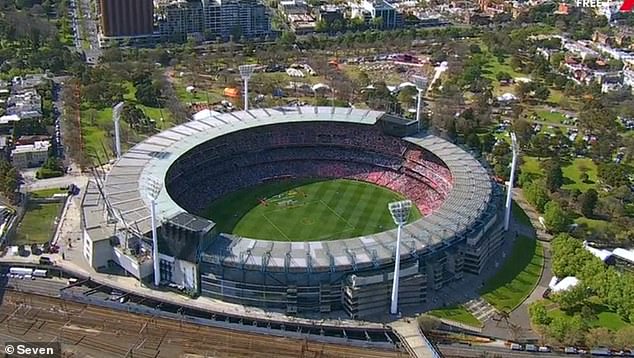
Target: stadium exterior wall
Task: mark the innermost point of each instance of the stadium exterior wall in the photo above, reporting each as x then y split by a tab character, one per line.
349	275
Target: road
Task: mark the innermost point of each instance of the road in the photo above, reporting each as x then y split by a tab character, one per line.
51	183
85	28
463	351
553	124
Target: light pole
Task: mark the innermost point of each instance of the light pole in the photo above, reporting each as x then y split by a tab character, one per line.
421	86
245	73
116	116
509	193
400	213
154	187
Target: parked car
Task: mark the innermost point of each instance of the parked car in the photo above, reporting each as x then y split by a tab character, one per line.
516	347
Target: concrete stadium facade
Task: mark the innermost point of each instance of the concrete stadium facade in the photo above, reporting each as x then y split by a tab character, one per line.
459	235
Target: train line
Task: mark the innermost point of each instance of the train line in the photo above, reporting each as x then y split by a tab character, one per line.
92	331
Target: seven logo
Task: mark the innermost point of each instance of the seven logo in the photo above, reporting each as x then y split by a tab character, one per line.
627	6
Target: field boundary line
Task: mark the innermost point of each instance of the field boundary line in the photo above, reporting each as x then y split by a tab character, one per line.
337	215
276	228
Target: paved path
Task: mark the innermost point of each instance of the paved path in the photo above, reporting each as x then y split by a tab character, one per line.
518	326
33	184
415	342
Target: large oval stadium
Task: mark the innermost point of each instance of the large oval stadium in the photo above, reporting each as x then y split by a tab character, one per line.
286	209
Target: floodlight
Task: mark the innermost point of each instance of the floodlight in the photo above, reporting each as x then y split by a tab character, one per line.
154	187
420	82
421	85
245	73
400	213
116	116
509	193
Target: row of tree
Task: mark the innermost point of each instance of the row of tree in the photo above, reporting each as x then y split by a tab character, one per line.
600	288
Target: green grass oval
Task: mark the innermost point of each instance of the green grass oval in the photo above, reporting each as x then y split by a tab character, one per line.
306	210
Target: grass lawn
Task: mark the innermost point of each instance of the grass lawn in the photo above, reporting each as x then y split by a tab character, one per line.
592	224
457	314
95	130
306	210
38	223
516	277
199	95
46	193
573	172
493	67
603	318
552	117
520	215
531	165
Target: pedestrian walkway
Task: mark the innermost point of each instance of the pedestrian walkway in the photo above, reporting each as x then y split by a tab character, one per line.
481	309
414	340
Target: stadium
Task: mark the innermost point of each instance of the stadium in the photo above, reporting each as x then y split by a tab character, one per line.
286	209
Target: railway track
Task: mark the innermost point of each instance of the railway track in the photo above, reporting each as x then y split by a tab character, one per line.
91	331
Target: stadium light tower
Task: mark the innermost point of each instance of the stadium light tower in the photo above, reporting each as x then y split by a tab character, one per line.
509	193
245	73
421	86
116	116
400	213
154	187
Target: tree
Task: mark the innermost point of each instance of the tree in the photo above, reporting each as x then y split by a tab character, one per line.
599	337
321	26
487	141
8	179
148	92
567	330
554	175
556	219
503	76
539	314
537	195
584	177
541	146
428	323
377	22
570	299
613	174
405	96
624	337
287	38
588	202
473	141
524	131
557	58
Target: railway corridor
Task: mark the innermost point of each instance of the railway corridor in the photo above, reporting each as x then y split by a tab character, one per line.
89	331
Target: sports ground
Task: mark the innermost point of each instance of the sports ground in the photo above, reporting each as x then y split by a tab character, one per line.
306	210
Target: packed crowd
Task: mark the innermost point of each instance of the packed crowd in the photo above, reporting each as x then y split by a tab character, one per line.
246	159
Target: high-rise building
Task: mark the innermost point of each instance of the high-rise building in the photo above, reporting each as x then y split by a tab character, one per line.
214	19
126	17
384	13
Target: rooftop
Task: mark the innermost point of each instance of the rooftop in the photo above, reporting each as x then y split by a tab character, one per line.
39	146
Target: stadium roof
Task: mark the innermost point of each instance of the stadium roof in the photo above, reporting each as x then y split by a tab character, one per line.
465	207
